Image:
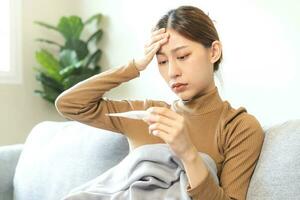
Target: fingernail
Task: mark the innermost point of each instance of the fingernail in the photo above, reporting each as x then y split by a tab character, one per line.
155	132
145	119
150	110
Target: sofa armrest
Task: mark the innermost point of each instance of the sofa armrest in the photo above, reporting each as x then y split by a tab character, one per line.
9	156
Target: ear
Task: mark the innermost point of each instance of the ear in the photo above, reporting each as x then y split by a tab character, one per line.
215	51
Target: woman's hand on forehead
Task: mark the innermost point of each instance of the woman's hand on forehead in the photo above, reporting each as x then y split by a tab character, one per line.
157	39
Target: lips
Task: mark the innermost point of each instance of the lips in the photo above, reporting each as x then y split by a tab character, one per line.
177	85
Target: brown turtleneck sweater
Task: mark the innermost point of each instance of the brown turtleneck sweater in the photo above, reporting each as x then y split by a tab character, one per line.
232	137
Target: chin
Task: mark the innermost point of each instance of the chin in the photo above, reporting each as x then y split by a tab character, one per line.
185	97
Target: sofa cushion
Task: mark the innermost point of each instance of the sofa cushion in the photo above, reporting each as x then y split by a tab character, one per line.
9	156
59	156
277	173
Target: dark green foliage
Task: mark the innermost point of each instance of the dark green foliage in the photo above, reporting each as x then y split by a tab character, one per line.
75	61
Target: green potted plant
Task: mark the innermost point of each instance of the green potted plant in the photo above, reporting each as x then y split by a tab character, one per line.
76	60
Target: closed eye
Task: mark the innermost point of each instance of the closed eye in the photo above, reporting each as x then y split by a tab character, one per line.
180	58
162	62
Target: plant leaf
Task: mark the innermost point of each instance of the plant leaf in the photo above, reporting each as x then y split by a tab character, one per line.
70	27
74	62
67	57
49	81
79	46
97	17
46	25
49	42
97	36
74	79
94	58
70	69
51	92
44	96
49	65
97	69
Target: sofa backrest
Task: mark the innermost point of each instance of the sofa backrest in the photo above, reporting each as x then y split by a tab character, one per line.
277	173
59	156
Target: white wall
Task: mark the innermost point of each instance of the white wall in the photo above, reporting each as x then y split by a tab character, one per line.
20	109
261	51
259	71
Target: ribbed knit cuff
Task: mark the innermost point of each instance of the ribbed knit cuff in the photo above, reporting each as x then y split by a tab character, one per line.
204	189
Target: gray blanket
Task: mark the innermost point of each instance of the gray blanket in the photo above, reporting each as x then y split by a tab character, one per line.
148	172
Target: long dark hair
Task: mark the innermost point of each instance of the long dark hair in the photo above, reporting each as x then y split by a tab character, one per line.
192	23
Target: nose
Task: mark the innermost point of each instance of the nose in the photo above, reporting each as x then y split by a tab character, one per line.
173	70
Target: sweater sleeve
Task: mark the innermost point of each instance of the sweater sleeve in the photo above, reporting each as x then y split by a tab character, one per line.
84	102
243	139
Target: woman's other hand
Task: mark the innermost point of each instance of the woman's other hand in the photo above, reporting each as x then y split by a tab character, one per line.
158	38
171	127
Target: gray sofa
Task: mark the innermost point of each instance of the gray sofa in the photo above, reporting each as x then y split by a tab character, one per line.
58	156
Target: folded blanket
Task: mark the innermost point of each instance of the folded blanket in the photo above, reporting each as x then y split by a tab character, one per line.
148	172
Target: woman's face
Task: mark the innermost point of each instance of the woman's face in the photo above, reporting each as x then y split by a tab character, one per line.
184	61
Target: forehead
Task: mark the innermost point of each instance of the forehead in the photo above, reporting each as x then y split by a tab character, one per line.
175	40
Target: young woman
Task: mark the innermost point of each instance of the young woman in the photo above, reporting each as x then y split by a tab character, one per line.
187	47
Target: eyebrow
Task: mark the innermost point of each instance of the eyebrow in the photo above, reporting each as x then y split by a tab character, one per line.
172	51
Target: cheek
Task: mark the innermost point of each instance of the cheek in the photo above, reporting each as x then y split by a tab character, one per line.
163	72
198	60
200	72
203	64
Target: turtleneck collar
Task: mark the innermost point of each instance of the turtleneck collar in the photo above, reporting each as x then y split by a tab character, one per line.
201	103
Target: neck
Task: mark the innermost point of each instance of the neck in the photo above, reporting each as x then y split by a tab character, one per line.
201	103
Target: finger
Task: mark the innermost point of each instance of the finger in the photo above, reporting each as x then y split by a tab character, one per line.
161	42
164	111
158	118
161	127
157	35
154	28
157	31
163	135
156	38
151	54
148	49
